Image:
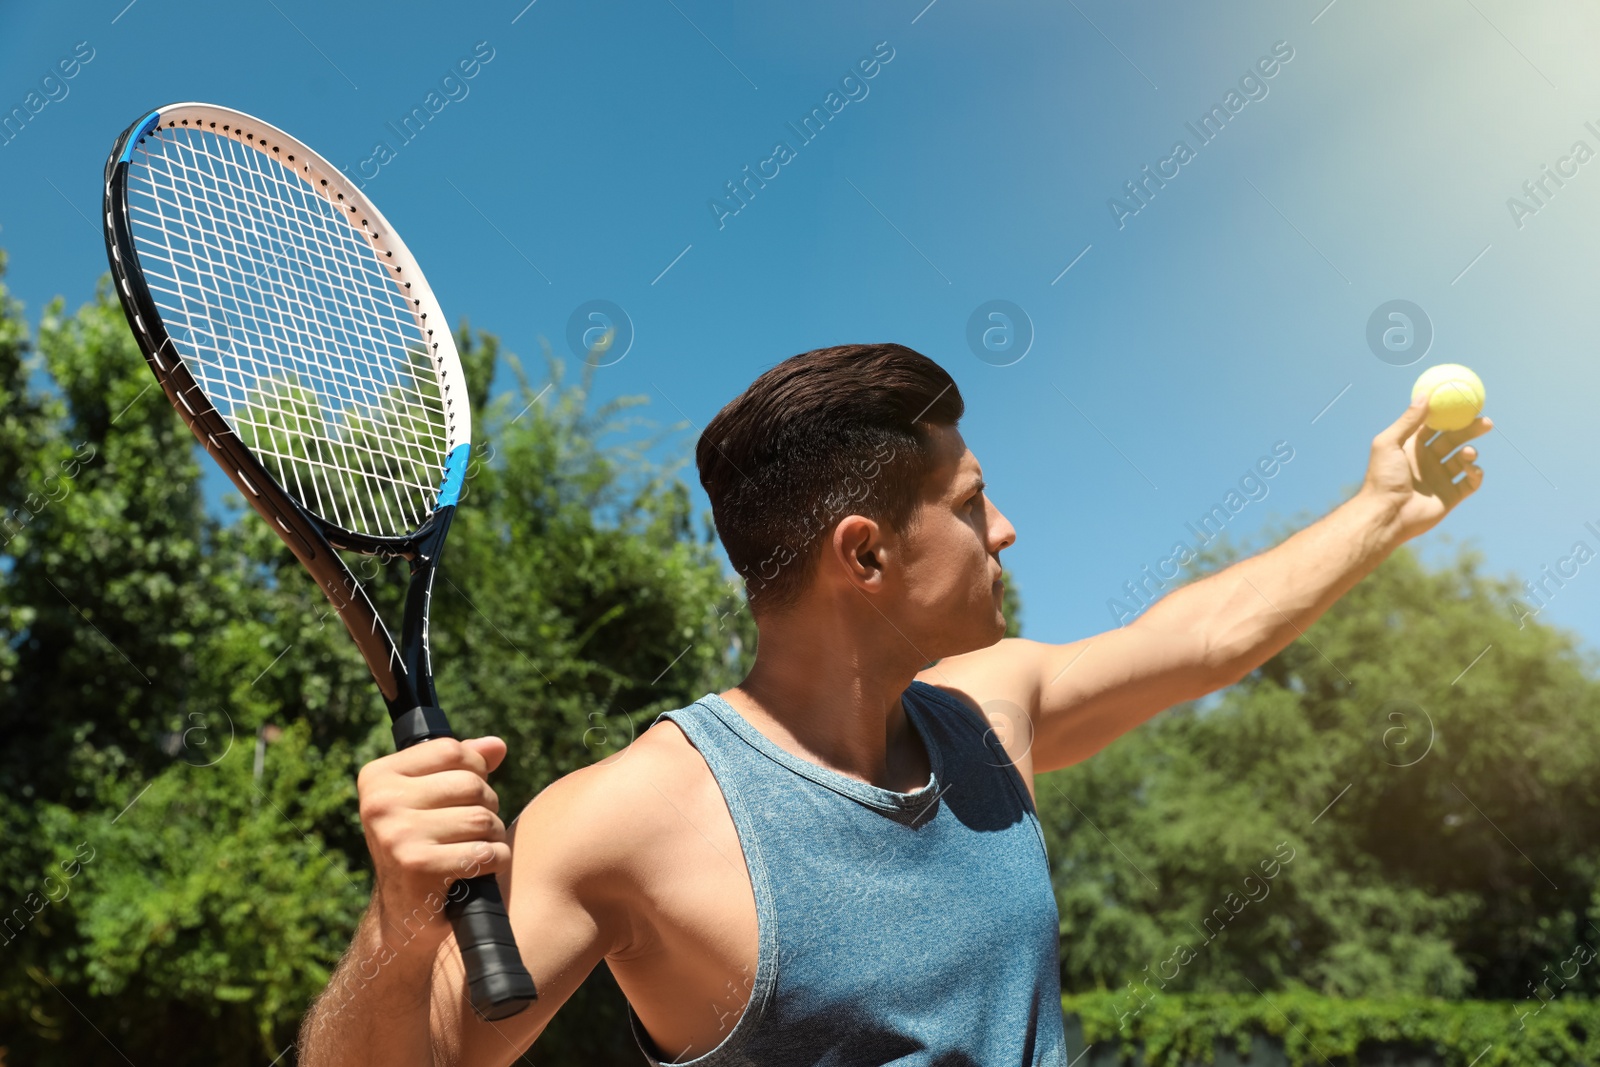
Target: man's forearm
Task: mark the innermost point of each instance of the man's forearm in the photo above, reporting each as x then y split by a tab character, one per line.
1250	611
376	1007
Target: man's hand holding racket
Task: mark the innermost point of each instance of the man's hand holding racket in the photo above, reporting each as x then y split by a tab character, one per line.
430	819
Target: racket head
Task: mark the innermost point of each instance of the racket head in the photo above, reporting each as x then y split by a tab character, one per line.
244	261
179	317
288	321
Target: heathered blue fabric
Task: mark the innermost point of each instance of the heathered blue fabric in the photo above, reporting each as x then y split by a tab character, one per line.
895	928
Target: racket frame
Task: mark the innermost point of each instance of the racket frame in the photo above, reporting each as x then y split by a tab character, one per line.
403	672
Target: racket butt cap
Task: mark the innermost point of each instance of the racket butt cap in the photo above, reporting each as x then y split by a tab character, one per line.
503	987
498	985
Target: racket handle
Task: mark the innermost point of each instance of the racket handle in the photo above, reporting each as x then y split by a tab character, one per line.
498	985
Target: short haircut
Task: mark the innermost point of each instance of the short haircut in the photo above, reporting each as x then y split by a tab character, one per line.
828	433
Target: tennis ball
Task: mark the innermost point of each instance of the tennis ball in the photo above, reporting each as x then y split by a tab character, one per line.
1455	396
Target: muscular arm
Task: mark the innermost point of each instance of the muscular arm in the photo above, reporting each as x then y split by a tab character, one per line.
429	817
564	897
1055	705
398	997
1202	637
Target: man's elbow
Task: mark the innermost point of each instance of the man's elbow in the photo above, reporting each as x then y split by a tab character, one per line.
1222	663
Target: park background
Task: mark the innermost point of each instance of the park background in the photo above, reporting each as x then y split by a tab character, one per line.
182	733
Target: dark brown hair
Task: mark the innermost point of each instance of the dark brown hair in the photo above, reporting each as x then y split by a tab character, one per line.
825	434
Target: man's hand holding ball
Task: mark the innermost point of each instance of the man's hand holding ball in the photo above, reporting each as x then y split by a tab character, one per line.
1413	471
1455	396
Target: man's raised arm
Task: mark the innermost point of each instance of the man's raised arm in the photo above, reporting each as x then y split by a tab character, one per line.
1248	612
1055	705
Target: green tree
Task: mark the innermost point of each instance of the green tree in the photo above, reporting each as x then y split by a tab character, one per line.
185	716
1424	757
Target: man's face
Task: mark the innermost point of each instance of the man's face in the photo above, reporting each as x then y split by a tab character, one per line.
951	553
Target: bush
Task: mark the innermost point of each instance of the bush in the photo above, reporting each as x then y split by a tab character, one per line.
1183	1029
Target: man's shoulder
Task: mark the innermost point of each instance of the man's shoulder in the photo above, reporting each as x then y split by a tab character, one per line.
1006	671
622	836
999	686
613	813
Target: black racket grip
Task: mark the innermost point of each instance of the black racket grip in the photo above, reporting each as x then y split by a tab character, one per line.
498	985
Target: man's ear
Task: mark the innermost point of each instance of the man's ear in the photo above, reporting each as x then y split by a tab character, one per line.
860	551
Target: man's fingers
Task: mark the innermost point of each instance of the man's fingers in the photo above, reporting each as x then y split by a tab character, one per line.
1453	439
434	843
431	819
439	754
390	803
421	863
454	826
448	789
1462	462
1455	492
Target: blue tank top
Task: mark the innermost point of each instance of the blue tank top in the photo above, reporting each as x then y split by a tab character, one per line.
894	928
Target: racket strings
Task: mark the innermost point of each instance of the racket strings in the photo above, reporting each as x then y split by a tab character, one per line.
298	413
307	312
301	418
294	326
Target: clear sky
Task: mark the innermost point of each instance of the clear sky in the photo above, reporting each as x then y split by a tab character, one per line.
1172	346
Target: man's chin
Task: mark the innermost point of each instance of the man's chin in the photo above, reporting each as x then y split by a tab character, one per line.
986	628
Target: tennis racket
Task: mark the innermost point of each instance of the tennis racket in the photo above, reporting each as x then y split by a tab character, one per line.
298	340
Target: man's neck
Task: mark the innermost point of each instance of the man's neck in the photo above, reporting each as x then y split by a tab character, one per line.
833	697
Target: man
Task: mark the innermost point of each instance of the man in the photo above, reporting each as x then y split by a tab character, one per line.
837	861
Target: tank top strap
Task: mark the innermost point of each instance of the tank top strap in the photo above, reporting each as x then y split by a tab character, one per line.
729	755
971	746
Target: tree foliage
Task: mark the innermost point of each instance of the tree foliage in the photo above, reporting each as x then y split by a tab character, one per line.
184	714
1424	758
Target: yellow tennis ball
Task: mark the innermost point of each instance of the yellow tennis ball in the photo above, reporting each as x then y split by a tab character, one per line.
1455	396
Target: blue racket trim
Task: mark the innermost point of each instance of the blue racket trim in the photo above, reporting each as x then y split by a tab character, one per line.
455	472
150	122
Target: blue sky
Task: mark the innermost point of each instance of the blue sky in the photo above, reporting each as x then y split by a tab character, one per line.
977	164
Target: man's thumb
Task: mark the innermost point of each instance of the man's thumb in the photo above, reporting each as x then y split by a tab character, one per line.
492	749
1407	424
